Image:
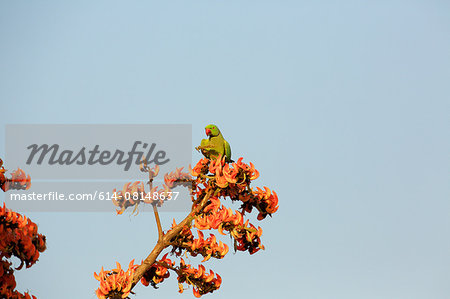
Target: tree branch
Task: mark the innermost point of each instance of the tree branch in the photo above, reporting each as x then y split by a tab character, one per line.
155	209
158	222
165	240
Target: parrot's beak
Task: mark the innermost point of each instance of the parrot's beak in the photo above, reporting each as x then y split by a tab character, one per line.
208	132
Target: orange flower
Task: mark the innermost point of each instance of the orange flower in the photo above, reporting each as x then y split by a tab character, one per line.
176	178
221	181
254	172
202	282
216	165
230	173
18	181
116	281
213	206
200	168
201	223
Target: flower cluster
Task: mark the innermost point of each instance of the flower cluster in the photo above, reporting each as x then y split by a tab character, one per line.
2	174
202	167
130	195
225	174
248	238
219	218
8	283
115	283
234	180
223	219
202	282
19	238
266	201
206	247
177	178
181	240
157	272
133	194
19	179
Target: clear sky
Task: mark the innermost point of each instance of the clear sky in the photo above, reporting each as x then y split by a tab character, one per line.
343	106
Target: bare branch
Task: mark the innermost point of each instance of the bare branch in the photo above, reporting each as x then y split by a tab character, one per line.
158	222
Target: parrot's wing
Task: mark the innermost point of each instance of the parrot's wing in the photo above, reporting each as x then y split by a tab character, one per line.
203	147
227	150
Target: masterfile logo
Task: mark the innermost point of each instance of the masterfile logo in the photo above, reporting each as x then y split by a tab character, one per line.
94	156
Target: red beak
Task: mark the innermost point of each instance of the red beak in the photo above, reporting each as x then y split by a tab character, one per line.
208	132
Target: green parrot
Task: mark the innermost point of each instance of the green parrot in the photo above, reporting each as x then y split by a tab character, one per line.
215	145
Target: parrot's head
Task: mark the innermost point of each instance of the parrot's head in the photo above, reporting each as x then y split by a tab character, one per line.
212	130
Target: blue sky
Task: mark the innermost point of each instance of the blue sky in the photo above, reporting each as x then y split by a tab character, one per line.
343	106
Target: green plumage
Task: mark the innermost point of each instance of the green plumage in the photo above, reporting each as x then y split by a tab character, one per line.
215	145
